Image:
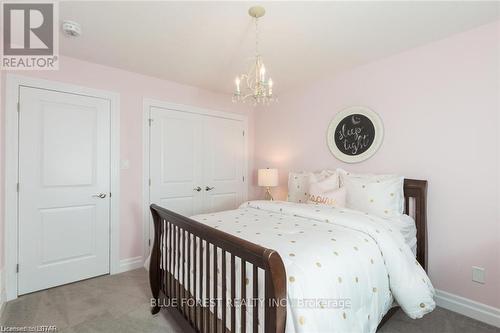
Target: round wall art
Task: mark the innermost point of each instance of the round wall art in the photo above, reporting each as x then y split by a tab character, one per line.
355	134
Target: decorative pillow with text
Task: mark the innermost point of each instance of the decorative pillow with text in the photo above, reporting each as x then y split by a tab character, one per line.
299	183
335	198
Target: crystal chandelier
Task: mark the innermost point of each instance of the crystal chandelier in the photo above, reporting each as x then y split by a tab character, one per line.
254	85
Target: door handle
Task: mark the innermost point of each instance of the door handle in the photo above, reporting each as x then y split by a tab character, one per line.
208	188
100	195
197	189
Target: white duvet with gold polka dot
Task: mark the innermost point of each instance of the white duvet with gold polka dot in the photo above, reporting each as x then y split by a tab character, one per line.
344	268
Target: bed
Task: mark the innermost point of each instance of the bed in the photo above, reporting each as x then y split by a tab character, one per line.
219	281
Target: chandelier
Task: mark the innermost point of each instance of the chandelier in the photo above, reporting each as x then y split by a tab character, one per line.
255	85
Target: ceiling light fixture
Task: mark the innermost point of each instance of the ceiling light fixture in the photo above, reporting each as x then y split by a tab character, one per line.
255	85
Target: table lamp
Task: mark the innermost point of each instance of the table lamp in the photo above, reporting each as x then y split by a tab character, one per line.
268	178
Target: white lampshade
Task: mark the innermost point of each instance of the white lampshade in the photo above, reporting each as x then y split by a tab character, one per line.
268	177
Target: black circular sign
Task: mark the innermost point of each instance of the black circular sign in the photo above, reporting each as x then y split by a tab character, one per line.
354	134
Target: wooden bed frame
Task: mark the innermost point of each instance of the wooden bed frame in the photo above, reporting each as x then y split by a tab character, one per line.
170	226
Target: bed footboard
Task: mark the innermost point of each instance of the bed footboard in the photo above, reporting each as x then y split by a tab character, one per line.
185	268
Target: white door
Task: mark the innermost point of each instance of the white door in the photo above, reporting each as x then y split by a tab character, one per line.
223	164
176	160
64	165
196	162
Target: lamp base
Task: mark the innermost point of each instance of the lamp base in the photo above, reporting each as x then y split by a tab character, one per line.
269	196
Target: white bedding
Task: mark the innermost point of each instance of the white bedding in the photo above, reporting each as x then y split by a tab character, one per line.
333	255
406	226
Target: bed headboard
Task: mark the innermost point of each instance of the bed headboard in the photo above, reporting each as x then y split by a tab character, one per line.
415	192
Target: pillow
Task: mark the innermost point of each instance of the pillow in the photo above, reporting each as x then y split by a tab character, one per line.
324	182
380	195
299	182
335	198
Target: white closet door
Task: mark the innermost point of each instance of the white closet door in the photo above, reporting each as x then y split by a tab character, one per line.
176	161
196	161
224	156
64	163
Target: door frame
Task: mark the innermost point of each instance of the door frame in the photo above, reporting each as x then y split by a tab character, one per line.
13	83
147	104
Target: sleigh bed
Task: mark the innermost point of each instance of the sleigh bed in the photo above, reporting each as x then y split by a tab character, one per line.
180	279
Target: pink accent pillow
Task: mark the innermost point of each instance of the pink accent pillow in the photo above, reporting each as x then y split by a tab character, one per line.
335	198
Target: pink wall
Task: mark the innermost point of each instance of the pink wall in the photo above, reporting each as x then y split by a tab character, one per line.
440	108
132	88
448	89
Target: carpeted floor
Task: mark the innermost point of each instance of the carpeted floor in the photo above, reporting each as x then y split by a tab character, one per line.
120	303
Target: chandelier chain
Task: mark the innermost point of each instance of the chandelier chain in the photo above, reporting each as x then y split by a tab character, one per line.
256	36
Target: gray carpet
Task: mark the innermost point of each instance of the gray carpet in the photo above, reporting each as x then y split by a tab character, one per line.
120	303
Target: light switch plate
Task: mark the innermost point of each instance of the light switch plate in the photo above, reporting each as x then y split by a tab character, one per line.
478	274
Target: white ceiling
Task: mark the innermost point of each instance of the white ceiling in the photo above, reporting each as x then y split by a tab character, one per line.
206	44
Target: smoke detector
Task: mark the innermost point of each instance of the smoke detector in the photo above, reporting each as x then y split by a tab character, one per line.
71	28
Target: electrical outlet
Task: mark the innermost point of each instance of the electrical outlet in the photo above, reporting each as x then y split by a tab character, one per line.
478	274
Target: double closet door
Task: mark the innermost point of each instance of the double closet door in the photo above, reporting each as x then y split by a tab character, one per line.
197	161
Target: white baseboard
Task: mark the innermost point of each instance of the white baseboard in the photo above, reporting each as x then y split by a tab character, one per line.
129	264
479	311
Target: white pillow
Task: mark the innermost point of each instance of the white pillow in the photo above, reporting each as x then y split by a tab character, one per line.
380	195
324	182
299	182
